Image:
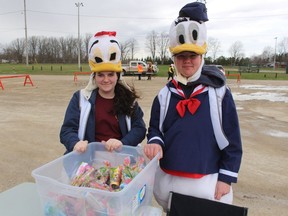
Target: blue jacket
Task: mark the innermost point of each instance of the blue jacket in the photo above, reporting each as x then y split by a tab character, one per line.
69	129
189	143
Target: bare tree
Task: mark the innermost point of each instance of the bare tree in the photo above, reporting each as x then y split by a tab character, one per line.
68	47
214	46
151	43
17	49
267	55
43	52
8	53
72	49
45	49
125	50
132	47
86	41
63	49
256	59
236	52
33	48
283	49
55	50
163	43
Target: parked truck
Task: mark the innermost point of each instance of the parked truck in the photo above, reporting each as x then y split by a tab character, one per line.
132	68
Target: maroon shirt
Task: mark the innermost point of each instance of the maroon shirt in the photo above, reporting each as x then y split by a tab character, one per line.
106	122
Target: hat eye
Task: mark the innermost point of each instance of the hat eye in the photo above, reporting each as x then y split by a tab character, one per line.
98	59
194	32
180	34
112	56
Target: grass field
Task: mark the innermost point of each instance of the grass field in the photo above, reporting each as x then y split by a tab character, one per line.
68	69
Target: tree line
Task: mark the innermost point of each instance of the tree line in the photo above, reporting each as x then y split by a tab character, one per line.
237	56
65	50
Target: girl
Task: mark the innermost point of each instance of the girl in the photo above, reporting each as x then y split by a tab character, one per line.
106	110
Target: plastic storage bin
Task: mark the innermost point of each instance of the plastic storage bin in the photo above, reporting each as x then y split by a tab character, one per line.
148	211
59	198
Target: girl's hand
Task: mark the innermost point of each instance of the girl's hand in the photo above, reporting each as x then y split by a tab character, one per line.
112	144
222	189
151	150
81	146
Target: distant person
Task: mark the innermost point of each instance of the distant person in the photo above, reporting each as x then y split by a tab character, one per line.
150	71
200	152
170	72
140	70
106	110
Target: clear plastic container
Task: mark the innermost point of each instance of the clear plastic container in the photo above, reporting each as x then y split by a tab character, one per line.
58	197
148	211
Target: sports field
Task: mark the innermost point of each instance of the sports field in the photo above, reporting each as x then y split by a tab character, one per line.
31	116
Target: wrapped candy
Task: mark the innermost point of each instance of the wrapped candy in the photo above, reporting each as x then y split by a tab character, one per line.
102	177
99	185
115	177
80	173
107	177
138	166
103	174
129	172
87	177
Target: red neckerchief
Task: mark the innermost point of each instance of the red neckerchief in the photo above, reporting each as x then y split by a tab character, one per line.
191	103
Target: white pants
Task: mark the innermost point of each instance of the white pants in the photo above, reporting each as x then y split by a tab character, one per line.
203	187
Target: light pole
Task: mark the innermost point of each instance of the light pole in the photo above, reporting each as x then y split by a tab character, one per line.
275	53
78	5
26	39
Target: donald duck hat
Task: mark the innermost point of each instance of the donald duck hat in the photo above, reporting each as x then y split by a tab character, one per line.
188	31
104	54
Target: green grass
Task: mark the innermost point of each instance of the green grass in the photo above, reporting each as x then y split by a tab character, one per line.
42	69
265	76
163	70
262	75
68	69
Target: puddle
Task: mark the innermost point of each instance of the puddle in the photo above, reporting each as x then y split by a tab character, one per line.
279	134
270	93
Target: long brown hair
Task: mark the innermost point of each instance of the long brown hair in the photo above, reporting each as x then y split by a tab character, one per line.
125	98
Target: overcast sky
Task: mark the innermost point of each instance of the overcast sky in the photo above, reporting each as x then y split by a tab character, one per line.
255	23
